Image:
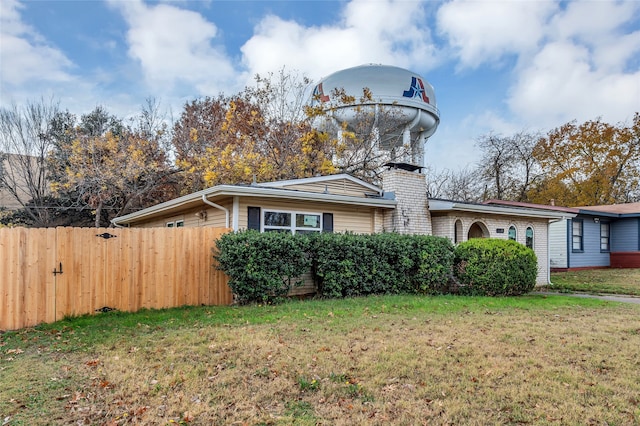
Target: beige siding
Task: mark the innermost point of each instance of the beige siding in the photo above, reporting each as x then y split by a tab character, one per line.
359	220
336	187
201	216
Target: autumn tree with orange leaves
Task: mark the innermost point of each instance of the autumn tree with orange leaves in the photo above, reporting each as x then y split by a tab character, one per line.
593	163
110	168
261	133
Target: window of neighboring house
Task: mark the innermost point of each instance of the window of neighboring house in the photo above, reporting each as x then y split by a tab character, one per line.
512	233
529	237
297	223
577	235
170	224
179	223
605	237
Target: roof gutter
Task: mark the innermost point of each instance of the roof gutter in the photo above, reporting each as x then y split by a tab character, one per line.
219	207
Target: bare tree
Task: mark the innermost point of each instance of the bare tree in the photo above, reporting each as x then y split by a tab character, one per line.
508	167
24	145
463	185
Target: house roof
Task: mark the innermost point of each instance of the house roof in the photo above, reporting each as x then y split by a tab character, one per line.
265	190
533	206
620	209
436	205
611	210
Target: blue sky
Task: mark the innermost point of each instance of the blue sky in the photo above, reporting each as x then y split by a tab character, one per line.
496	66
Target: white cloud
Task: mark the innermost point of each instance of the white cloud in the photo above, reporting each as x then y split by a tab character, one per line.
175	46
25	56
588	68
563	83
388	31
482	32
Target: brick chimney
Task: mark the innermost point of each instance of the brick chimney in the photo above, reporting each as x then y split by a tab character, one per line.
411	215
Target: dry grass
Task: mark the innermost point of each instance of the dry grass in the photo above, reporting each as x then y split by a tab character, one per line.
392	362
612	281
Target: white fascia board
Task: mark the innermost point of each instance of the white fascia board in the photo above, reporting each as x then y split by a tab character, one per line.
316	179
441	205
254	191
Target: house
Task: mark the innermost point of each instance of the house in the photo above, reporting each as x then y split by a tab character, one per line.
595	237
14	168
341	202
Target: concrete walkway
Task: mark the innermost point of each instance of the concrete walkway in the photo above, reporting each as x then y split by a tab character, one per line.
610	297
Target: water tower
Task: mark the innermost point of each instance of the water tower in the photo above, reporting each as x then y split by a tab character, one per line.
400	105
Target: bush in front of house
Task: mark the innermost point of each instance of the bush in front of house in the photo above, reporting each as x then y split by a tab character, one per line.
262	267
434	264
357	265
492	267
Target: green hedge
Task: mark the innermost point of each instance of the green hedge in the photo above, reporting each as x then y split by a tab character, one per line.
262	267
494	267
354	265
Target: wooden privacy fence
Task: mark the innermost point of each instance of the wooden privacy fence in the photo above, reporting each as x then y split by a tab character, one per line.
49	273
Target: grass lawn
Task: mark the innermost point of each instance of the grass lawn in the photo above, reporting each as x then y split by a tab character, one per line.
612	281
378	360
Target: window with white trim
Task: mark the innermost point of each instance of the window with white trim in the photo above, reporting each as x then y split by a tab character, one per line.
529	237
512	233
170	224
294	222
179	223
576	235
605	235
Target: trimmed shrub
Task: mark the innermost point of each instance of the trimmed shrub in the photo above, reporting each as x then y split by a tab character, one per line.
262	267
434	264
352	265
492	267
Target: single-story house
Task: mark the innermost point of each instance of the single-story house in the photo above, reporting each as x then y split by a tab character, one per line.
596	237
341	202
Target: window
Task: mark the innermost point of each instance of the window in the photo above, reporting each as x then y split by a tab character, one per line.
604	237
512	233
457	231
170	224
576	235
179	223
529	237
297	223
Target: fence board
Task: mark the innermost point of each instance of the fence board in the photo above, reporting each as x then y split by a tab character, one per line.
138	268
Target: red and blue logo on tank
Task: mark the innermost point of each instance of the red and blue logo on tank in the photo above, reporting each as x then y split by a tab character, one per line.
416	90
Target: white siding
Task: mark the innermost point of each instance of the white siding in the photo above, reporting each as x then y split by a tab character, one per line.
558	244
443	226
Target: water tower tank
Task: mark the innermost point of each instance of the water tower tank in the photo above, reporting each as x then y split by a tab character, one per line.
406	99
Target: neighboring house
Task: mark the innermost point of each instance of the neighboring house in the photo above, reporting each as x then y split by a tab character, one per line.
12	173
597	237
340	203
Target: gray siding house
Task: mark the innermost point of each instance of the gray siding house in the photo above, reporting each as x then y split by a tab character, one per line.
597	237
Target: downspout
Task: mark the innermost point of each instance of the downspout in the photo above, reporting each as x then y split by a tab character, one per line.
225	210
